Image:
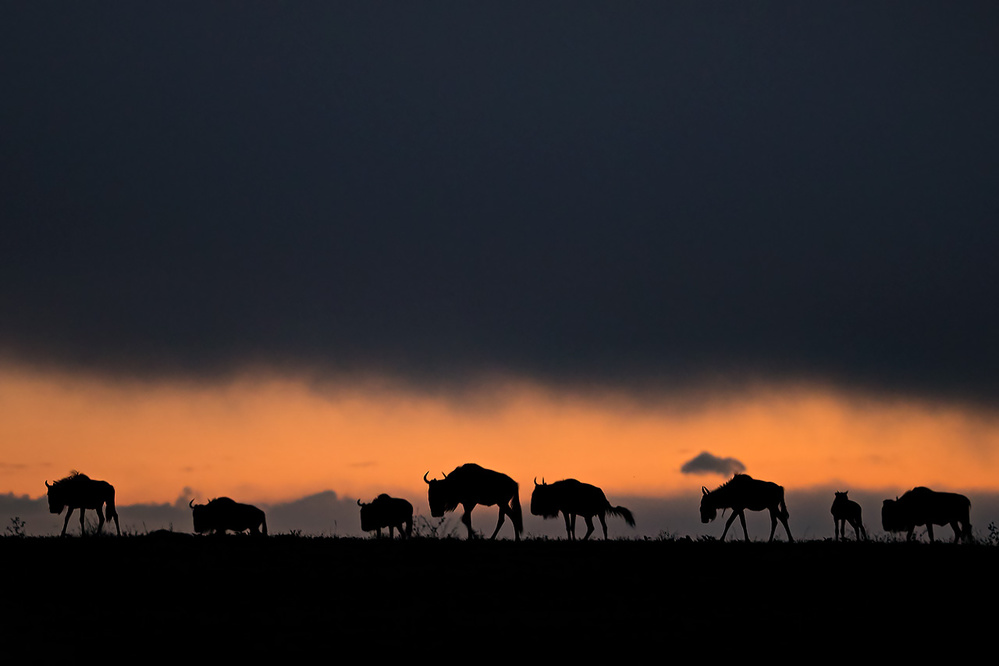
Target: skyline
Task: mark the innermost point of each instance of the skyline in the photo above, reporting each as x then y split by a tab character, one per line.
283	251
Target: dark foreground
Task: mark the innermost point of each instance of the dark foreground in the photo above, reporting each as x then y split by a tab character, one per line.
286	595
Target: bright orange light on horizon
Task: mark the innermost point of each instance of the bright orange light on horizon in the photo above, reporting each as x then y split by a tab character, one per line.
276	440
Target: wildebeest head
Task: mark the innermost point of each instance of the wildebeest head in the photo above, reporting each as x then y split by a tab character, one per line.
200	518
543	500
708	510
56	500
439	496
369	521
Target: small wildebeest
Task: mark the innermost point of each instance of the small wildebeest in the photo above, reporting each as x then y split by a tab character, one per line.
743	492
469	485
390	512
922	506
574	498
79	491
845	510
223	514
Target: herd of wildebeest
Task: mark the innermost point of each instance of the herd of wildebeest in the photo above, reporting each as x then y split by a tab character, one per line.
470	484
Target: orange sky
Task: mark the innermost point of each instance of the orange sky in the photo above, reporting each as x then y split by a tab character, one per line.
271	440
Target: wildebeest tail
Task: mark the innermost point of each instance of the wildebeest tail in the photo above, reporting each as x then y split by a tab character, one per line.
518	514
783	507
624	513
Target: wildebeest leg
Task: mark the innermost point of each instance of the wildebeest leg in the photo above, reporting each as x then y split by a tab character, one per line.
65	523
603	524
466	518
957	532
929	530
569	531
499	523
100	519
728	524
589	526
82	511
783	520
742	519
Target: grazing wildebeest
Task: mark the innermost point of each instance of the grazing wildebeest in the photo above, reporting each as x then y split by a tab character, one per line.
469	485
223	514
845	510
743	492
574	498
922	506
390	512
79	491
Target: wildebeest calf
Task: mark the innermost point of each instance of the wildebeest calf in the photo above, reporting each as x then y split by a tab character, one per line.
845	510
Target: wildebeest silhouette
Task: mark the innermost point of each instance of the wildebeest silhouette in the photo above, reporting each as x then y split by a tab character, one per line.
79	491
743	492
223	514
469	485
574	498
845	510
922	506
390	512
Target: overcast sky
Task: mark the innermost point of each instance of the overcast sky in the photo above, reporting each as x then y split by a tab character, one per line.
625	195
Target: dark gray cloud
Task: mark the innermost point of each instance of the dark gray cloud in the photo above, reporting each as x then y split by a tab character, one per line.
649	195
707	463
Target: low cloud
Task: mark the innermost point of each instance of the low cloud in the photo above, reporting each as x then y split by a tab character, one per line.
706	463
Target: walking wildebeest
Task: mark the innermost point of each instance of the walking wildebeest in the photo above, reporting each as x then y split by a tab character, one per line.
79	491
390	512
845	510
922	506
469	485
574	498
743	492
223	514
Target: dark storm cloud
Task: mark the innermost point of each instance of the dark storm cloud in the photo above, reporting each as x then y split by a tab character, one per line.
706	463
654	194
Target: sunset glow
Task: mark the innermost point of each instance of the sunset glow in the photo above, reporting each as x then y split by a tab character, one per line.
272	440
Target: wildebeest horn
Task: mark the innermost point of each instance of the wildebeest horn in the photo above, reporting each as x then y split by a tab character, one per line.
359	503
425	476
191	503
704	490
47	485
